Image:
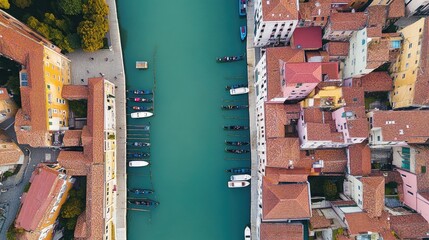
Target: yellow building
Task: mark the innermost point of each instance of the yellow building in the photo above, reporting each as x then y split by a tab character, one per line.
329	98
8	106
406	70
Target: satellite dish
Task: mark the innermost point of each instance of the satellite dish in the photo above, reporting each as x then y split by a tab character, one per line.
298	46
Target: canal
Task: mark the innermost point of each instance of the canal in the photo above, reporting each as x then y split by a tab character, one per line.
180	40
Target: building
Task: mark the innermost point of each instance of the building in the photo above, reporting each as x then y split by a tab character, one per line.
359	159
409	226
341	26
337	50
42	203
8	106
277	231
45	71
275	21
416	7
327	98
97	161
352	123
316	12
10	153
306	38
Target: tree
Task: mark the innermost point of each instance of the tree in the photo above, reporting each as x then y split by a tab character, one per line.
4	4
72	208
330	190
71	7
91	36
22	3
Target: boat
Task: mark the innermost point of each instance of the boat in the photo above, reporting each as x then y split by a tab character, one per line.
139	155
139	144
242	7
240	177
247	234
140	191
140	99
236	143
228	87
243	32
138	163
233	107
238	184
229	59
235	127
141	92
144	202
238	91
236	151
141	114
141	108
238	170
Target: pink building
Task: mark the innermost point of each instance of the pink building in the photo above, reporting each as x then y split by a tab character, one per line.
352	122
299	79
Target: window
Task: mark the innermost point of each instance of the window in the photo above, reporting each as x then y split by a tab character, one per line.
423	169
403	75
298	85
410	45
410	193
363	41
409	55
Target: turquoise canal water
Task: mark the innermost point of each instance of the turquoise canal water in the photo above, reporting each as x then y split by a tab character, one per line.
180	40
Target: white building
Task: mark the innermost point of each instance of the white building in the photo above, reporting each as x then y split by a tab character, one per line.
355	63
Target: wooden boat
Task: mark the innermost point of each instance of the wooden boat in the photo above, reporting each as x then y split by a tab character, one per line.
144	202
140	99
229	59
243	32
238	184
239	170
139	144
140	191
138	163
242	7
140	92
238	91
236	143
240	177
141	114
236	151
235	127
247	234
228	87
138	155
234	107
141	108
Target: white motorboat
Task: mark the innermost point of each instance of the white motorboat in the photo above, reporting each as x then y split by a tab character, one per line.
238	91
240	177
238	184
141	114
138	163
247	233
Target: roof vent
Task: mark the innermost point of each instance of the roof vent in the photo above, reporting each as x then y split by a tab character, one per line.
298	46
317	4
401	131
268	2
353	10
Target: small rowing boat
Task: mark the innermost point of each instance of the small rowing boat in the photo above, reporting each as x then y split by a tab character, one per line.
240	177
238	170
243	32
140	99
138	155
235	127
138	163
247	234
238	91
140	191
238	184
236	143
141	108
139	144
236	151
228	87
234	107
140	92
229	59
144	202
141	114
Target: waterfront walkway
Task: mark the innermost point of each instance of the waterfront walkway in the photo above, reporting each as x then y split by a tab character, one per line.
109	64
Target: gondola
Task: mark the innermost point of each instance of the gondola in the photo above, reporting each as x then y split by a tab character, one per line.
229	59
235	127
140	92
236	151
236	143
243	32
140	191
140	99
238	170
138	155
234	107
141	108
228	87
139	144
144	202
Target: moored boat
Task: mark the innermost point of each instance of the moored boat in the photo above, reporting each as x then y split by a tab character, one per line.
238	170
140	92
140	191
235	127
242	7
236	143
138	163
140	99
238	184
144	202
141	108
230	59
139	144
236	151
139	155
247	235
234	107
228	87
238	91
240	177
141	114
243	32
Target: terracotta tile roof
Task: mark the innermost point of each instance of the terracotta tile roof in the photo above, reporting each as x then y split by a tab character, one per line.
277	116
72	138
376	20
281	150
359	159
74	162
373	195
411	226
4	94
346	21
317	56
421	86
404	128
340	203
323	132
335	160
306	38
10	153
285	201
360	222
396	9
303	73
337	48
273	55
331	70
310	9
353	96
276	175
318	220
94	202
358	127
279	10
75	92
377	82
281	231
80	229
378	53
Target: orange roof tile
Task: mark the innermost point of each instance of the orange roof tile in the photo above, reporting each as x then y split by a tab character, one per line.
303	73
353	96
377	82
378	53
276	175
396	9
80	228
281	231
421	86
72	138
337	48
411	226
373	195
279	10
360	222
346	21
281	150
360	159
277	116
331	70
75	92
318	220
